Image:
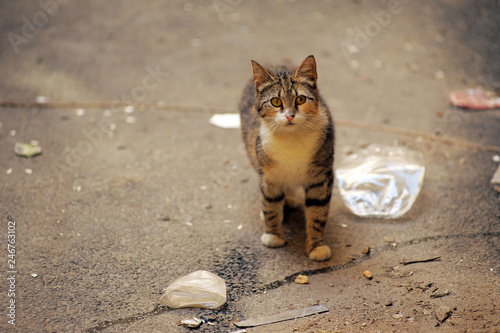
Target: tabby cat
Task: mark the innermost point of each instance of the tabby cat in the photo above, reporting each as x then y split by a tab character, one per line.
289	137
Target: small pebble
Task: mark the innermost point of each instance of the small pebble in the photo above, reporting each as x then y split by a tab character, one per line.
9	171
28	171
496	158
80	112
368	274
129	109
443	313
34	275
439	75
398	315
389	303
462	161
366	251
302	279
41	99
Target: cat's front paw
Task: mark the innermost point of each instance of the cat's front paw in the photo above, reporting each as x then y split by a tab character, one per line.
320	253
271	240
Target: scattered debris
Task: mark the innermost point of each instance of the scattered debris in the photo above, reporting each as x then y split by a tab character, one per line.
439	75
293	314
302	279
443	313
404	263
398	315
27	149
41	99
129	109
191	322
200	289
439	295
226	120
475	99
368	274
366	251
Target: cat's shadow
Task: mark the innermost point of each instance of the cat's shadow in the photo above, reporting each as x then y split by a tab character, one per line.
294	227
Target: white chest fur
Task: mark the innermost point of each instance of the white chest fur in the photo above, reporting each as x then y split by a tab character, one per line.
292	153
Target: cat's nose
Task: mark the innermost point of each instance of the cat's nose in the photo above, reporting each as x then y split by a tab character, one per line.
289	114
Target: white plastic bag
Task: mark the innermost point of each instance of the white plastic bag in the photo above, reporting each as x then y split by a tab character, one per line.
381	182
200	289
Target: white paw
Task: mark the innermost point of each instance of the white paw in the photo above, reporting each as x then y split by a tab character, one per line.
320	253
271	240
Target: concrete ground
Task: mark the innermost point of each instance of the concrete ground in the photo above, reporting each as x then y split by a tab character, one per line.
124	201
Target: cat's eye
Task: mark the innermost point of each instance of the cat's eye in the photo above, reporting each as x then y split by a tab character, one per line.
276	102
300	100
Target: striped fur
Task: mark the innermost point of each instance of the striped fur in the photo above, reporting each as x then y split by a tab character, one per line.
290	145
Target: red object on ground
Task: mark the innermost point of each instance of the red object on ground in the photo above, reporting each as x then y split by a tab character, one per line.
476	99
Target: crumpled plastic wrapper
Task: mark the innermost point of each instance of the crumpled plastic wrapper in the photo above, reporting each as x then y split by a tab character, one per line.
27	149
200	289
380	182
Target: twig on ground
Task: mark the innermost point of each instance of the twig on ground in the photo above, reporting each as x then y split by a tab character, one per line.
446	293
404	263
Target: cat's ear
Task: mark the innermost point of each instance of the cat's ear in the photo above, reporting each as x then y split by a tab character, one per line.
307	70
260	75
